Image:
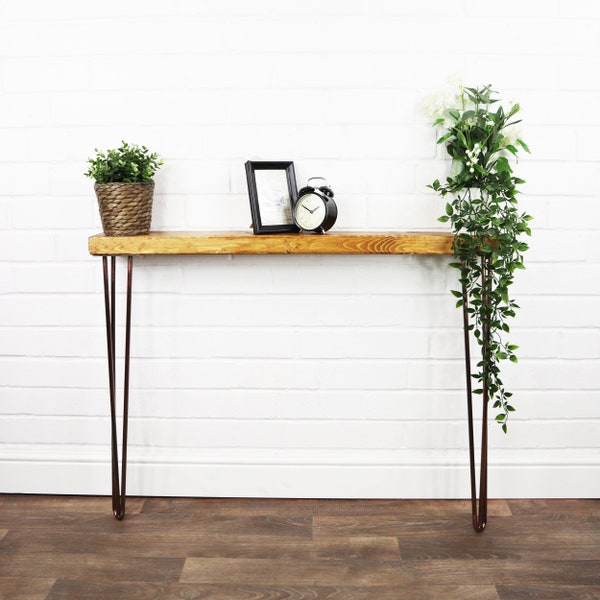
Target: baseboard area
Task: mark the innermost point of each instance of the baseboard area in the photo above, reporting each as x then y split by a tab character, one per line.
298	475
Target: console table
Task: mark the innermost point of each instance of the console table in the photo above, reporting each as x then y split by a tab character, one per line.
241	242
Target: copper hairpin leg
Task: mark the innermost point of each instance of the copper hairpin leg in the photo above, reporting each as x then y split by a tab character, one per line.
478	508
118	487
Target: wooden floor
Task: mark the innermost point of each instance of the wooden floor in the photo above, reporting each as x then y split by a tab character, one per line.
58	548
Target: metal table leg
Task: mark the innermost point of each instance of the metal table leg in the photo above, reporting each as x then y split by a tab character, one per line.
478	507
118	487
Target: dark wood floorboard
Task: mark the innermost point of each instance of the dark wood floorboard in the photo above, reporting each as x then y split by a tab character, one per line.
59	548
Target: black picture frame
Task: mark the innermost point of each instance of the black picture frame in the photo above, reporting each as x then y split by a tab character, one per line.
273	193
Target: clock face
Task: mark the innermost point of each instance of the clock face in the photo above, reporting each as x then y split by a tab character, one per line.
309	212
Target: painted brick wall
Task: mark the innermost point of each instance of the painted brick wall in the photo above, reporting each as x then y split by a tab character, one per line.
290	376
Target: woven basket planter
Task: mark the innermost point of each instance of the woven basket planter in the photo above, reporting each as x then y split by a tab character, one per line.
125	208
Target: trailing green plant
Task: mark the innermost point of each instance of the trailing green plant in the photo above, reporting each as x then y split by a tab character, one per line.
127	164
480	138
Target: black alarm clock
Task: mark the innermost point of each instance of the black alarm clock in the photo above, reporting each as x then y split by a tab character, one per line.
315	210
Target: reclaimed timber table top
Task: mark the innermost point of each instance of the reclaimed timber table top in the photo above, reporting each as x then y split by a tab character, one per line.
245	242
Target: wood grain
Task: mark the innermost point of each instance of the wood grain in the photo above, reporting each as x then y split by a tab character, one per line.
388	573
547	592
69	590
60	548
240	242
16	588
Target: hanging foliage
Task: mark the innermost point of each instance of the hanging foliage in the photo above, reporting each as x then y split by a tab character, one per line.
481	137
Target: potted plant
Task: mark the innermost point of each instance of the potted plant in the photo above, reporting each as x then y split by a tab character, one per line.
124	188
481	139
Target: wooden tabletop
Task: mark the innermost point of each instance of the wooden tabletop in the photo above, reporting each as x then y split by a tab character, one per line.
245	242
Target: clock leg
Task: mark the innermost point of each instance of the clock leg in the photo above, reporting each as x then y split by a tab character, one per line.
478	507
118	484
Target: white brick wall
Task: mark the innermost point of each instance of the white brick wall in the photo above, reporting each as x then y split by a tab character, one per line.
244	381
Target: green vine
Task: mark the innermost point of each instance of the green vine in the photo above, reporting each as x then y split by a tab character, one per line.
487	225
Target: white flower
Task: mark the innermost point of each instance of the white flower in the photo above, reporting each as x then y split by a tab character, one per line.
511	135
437	105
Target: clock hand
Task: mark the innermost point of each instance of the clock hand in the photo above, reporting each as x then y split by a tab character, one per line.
308	209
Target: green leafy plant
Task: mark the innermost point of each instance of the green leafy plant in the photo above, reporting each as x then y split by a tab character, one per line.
481	138
127	164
